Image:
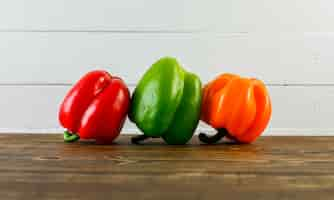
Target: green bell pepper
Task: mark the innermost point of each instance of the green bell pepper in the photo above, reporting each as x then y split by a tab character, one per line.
166	103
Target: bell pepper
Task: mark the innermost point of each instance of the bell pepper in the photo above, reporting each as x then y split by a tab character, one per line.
166	103
95	108
239	108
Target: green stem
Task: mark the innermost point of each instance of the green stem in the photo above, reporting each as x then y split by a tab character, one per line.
70	137
203	137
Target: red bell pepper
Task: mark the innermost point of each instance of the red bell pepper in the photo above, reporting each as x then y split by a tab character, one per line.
95	108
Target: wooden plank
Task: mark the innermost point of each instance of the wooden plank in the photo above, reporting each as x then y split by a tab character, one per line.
43	167
297	110
58	58
172	15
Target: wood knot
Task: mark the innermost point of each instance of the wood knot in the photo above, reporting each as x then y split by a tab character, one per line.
47	158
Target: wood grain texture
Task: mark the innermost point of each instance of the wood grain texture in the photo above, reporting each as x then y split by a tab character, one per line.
43	167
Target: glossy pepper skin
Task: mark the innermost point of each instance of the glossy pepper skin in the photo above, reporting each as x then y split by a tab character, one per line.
239	108
95	108
166	103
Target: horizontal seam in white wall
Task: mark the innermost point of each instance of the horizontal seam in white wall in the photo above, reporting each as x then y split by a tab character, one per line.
167	31
105	31
133	84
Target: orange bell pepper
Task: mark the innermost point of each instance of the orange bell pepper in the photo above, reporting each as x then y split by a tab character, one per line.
239	108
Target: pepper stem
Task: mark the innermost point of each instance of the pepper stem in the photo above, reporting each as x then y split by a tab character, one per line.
70	137
203	137
137	139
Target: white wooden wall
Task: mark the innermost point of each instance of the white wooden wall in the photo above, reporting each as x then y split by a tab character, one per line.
46	45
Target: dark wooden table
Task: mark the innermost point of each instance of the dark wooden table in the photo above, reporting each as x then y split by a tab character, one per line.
43	167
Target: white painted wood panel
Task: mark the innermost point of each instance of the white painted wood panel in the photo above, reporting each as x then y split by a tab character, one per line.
46	45
120	15
45	58
297	110
171	15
